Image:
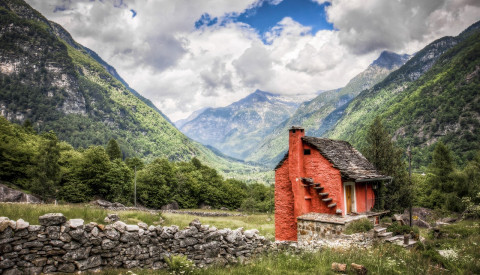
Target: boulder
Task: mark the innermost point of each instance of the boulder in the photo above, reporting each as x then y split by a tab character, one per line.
11	195
171	206
52	219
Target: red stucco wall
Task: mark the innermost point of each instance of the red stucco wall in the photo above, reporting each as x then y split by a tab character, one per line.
285	220
321	170
360	196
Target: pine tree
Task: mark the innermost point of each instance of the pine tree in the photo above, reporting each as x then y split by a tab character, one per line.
113	150
48	170
386	157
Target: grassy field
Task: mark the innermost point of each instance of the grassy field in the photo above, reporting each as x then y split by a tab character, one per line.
455	250
30	213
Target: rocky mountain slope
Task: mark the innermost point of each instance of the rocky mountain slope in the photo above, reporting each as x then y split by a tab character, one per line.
237	128
434	96
321	113
59	85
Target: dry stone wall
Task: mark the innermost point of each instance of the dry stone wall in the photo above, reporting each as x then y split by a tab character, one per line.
58	245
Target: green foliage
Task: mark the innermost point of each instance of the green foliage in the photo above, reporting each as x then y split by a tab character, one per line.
359	226
179	264
47	170
382	152
113	150
399	229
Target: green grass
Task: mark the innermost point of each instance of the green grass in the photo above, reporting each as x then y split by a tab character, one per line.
31	212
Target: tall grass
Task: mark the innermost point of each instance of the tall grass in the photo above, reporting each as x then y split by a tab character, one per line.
31	212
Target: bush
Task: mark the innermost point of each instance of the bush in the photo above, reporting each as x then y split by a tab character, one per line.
398	229
359	226
179	264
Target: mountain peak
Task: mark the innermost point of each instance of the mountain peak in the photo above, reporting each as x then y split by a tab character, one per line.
388	60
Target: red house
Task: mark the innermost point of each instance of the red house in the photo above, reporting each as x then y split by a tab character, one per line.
320	175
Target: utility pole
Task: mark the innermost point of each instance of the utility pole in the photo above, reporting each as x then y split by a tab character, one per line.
135	187
409	153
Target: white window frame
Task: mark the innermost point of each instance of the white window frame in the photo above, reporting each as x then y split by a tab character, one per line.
354	197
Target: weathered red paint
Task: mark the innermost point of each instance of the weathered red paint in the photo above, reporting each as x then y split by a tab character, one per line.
292	199
361	198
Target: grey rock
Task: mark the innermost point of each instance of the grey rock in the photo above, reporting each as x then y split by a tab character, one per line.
180	234
120	226
65	237
7	263
71	245
52	219
67	268
40	261
75	223
132	228
49	269
33	244
234	236
250	233
89	263
34	228
129	237
94	231
112	234
12	271
143	225
90	226
21	224
11	195
33	270
131	264
78	254
5	248
111	218
77	234
109	244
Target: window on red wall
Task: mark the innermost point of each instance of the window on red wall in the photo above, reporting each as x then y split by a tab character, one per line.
306	151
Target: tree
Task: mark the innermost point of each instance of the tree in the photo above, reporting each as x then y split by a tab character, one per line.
48	169
387	158
113	150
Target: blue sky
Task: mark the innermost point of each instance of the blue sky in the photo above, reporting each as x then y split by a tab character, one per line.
265	15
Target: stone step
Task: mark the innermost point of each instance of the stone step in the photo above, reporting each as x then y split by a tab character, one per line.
308	197
323	194
306	185
318	188
332	205
385	234
394	238
327	199
380	229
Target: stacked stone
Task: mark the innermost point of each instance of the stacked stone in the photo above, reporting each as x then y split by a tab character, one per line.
58	245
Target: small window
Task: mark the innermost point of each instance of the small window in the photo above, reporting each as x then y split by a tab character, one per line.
306	151
293	131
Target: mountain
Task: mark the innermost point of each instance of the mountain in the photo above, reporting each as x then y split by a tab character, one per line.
179	123
434	96
238	127
57	84
319	114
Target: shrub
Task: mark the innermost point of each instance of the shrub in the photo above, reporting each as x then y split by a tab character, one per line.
179	264
359	226
398	229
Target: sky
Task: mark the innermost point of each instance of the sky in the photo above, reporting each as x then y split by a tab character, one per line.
185	55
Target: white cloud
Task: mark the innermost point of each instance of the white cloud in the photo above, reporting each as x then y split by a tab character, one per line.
181	69
406	25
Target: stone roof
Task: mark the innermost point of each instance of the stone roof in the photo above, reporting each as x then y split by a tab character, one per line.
351	163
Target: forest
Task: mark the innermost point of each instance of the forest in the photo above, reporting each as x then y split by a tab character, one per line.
54	170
